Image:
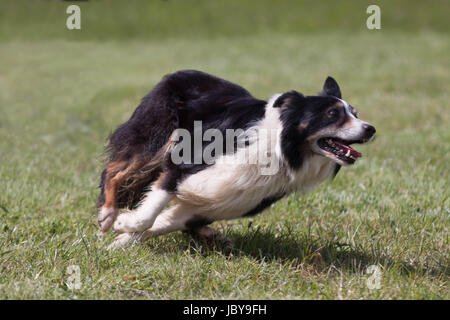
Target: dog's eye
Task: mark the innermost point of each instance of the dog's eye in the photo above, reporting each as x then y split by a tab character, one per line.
332	113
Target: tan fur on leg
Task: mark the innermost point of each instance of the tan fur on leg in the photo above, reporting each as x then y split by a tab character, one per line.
116	173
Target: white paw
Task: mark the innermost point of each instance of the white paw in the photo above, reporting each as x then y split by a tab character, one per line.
127	222
124	239
106	217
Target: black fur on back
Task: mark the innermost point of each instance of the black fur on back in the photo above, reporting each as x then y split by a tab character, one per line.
176	102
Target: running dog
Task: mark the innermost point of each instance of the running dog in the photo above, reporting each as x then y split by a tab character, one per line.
305	138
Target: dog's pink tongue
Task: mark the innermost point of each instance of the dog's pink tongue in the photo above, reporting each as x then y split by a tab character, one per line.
353	152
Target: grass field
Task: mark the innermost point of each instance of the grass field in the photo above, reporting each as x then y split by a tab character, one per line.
62	92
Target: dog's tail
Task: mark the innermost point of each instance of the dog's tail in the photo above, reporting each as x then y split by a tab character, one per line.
132	189
143	144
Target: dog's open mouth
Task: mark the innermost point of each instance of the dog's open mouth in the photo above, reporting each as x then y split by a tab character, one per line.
340	149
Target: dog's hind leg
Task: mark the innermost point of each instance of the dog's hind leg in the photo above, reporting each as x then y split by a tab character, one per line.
116	173
209	236
108	211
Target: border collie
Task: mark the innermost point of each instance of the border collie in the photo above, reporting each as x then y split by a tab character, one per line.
304	139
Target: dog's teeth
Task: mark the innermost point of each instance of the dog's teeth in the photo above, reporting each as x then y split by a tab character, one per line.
348	153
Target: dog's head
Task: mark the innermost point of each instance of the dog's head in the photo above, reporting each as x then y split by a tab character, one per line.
324	124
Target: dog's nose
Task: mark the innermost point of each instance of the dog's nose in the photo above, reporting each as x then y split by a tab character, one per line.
369	129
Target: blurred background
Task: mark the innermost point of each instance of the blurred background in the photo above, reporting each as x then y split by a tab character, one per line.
62	92
151	20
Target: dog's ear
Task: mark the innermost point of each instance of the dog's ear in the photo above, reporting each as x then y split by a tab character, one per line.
288	97
331	88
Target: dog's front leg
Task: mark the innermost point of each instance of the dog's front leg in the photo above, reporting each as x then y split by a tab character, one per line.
144	216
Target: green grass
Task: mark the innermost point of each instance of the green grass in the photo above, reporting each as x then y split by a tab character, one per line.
62	92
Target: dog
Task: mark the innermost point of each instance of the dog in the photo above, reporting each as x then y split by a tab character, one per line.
303	139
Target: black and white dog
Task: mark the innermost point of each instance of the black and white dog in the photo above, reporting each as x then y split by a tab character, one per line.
262	152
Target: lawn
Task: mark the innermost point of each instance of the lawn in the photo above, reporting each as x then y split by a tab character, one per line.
63	92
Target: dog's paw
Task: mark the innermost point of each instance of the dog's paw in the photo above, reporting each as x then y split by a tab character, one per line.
106	217
127	223
123	240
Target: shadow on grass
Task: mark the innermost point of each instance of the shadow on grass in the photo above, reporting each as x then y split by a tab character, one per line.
293	249
297	250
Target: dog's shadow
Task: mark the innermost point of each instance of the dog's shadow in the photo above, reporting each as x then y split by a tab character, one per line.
289	248
295	250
